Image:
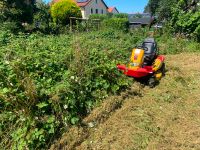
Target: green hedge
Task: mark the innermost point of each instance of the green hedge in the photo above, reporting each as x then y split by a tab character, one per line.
120	15
116	23
99	16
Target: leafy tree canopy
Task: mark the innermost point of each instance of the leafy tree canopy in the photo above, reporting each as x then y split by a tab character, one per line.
16	10
183	16
62	10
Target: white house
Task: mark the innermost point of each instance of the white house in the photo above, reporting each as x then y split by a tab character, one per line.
113	10
89	7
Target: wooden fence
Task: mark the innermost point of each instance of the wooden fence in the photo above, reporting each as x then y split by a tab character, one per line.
79	24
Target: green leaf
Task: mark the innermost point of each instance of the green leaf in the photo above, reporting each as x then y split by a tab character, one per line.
41	105
115	88
5	90
74	120
51	119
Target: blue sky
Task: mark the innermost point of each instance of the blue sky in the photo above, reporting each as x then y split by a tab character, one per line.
126	6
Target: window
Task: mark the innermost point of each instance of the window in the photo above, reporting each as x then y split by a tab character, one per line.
91	10
96	1
96	11
102	11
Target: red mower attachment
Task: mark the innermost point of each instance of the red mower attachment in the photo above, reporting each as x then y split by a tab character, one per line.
138	73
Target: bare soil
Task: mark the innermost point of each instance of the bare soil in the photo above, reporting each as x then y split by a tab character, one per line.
165	117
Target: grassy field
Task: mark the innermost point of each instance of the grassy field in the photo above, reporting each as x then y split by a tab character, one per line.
165	117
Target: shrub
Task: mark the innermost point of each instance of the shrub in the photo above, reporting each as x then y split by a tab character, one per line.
176	45
62	10
197	33
120	15
116	23
99	16
42	16
16	11
11	26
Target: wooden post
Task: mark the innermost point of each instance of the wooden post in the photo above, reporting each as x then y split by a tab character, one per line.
70	25
98	25
77	26
88	22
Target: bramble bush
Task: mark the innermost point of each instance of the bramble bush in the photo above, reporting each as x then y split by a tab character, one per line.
49	82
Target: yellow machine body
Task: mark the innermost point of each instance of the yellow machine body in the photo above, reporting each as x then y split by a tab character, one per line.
158	75
137	59
157	64
156	67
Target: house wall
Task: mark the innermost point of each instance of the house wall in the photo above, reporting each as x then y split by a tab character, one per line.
100	6
83	12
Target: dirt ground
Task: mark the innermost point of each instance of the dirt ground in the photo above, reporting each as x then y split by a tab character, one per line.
166	117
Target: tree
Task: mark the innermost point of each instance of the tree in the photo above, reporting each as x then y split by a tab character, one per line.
152	6
42	15
164	11
182	16
62	10
17	10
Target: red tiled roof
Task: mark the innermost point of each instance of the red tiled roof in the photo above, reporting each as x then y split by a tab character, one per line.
110	9
82	4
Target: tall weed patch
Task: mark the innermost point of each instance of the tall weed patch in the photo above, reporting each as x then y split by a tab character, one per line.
177	44
48	83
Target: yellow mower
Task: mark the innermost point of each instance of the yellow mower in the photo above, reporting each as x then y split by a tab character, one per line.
145	63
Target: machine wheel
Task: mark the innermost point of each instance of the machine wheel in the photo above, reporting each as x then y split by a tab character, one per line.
163	69
152	82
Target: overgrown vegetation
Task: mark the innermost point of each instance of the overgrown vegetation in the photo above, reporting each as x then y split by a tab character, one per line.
48	82
116	23
181	16
14	13
113	21
42	18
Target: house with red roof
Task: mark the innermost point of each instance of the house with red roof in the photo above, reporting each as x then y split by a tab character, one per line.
113	10
89	7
